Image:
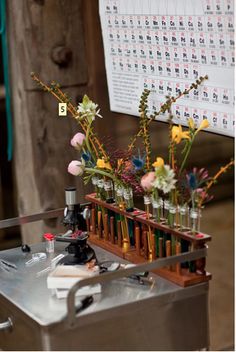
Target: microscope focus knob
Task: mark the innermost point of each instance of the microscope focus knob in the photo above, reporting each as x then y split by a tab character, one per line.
65	211
86	213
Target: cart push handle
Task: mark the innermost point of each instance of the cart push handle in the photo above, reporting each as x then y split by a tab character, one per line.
72	310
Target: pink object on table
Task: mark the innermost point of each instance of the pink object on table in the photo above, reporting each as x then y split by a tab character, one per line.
76	234
200	235
49	236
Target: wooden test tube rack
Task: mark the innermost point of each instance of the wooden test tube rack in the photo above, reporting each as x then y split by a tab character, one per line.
105	231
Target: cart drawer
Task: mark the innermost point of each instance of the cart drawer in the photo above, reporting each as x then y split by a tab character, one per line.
24	333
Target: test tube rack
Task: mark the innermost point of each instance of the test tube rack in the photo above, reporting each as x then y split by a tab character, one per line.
147	240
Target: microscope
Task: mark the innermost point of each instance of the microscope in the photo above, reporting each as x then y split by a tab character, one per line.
75	219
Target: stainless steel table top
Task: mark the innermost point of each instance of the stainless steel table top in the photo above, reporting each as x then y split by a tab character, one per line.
28	292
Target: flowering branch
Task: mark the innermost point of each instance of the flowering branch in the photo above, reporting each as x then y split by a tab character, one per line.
192	134
166	106
222	170
144	126
63	98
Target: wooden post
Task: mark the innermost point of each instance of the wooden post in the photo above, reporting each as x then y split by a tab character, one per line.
168	250
145	244
88	225
178	251
93	221
41	139
99	224
153	246
160	247
137	240
106	228
119	233
112	230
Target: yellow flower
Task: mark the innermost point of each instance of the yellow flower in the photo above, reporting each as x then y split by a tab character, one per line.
119	162
158	163
203	124
103	165
191	123
178	134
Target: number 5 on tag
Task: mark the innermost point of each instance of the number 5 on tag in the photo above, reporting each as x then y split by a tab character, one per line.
62	109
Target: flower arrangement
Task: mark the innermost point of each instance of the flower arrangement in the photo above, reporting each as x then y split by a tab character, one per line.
175	193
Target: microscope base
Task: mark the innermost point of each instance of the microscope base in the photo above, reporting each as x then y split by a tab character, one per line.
87	255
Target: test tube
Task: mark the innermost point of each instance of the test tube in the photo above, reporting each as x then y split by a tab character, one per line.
50	241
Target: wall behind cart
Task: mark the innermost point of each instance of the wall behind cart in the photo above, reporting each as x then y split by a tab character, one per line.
61	41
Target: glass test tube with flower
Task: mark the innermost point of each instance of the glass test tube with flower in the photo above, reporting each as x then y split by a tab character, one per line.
196	180
171	215
108	187
195	221
164	181
118	194
95	180
147	185
183	217
128	198
156	206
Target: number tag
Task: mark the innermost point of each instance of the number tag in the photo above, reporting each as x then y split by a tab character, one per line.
62	109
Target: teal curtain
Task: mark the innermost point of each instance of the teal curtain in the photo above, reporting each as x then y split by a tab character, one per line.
3	34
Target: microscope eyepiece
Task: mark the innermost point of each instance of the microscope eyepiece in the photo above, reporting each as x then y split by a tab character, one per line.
70	194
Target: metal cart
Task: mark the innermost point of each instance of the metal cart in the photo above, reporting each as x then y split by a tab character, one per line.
125	316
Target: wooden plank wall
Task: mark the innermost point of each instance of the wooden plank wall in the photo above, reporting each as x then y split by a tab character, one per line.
46	37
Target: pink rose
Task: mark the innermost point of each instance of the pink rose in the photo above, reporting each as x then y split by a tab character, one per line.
147	180
77	140
76	168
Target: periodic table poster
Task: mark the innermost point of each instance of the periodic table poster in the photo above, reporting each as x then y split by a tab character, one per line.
165	45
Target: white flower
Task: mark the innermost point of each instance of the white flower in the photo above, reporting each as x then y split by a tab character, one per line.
88	109
164	180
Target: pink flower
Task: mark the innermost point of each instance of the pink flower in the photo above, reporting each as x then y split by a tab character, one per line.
147	181
77	140
76	168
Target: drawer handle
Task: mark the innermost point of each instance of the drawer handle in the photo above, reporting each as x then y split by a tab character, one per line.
6	325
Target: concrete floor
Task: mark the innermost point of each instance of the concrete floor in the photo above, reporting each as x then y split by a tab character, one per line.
218	221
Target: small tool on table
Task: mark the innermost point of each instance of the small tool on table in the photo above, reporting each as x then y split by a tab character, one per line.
36	257
8	266
52	266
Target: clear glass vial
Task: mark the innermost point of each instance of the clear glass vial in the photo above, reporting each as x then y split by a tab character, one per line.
166	207
195	215
128	197
108	187
156	209
95	184
183	217
171	215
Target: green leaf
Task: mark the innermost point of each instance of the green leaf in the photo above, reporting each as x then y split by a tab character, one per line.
86	99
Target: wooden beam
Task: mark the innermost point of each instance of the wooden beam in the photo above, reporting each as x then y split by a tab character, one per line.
46	37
